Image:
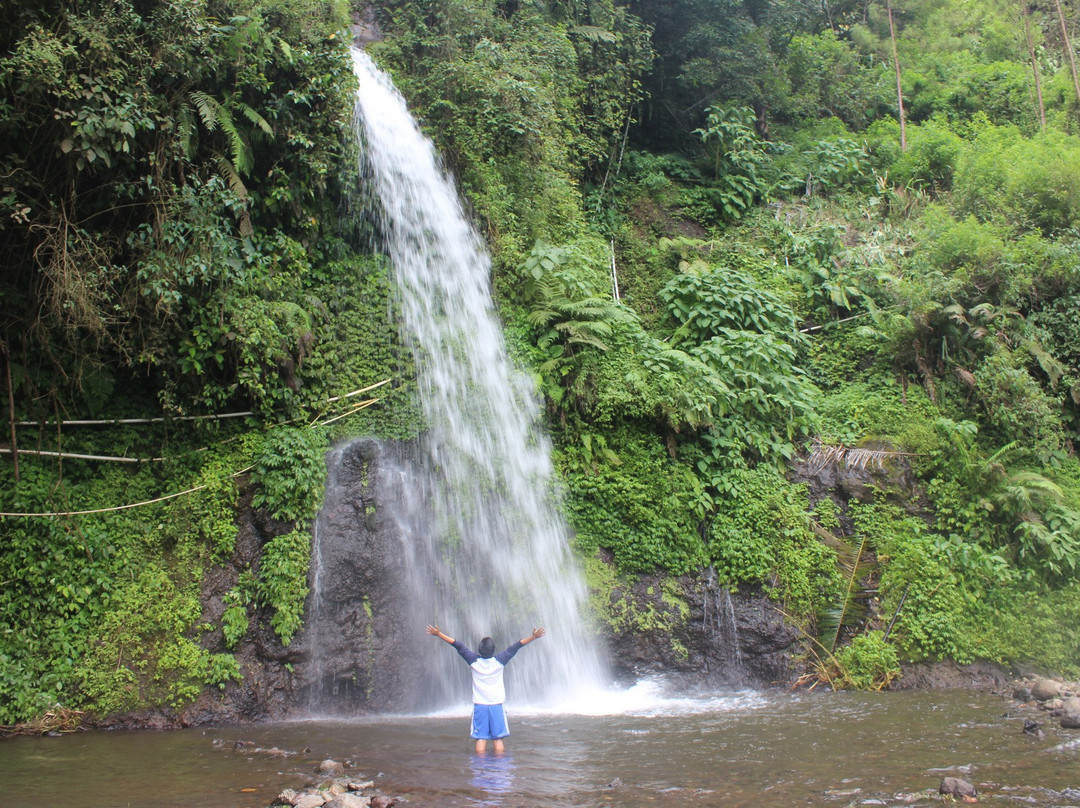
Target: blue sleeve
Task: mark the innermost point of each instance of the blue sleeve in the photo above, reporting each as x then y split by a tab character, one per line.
469	655
505	656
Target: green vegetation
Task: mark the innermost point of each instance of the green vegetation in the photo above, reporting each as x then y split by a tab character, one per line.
169	193
795	271
800	273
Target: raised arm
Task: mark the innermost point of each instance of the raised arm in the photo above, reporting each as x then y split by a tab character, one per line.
466	653
434	632
537	633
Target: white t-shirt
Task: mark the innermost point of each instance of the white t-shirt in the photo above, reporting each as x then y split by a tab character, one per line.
487	674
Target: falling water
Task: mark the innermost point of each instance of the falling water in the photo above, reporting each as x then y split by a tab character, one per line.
486	548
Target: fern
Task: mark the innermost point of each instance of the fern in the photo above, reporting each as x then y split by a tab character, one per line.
594	33
851	608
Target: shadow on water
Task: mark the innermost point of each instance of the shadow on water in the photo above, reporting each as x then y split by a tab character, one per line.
743	749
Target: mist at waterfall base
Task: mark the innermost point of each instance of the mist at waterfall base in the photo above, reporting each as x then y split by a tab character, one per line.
484	548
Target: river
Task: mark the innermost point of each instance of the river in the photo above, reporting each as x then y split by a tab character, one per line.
741	749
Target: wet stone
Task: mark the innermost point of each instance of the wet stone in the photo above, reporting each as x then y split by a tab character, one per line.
330	767
286	797
1045	689
349	801
955	787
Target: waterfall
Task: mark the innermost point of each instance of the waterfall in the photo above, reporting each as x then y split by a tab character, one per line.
485	549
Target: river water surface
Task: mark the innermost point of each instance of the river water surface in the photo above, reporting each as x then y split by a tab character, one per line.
741	749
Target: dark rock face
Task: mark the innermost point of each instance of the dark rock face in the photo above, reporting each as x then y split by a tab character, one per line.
337	663
844	482
365	27
352	621
268	685
951	675
698	635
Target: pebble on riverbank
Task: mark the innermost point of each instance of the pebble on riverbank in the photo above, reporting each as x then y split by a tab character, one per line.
338	792
1060	699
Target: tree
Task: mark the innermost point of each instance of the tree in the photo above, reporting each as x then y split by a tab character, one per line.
899	85
1025	15
1067	45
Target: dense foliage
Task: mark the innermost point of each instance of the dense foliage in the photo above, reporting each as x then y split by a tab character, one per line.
732	257
778	272
170	181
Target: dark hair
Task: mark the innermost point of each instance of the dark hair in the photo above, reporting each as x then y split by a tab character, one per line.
487	648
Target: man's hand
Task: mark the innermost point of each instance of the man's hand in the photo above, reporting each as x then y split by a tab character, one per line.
435	632
537	633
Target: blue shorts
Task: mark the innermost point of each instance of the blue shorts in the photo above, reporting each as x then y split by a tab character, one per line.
489	722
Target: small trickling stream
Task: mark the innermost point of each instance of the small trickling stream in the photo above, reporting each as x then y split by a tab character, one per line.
742	749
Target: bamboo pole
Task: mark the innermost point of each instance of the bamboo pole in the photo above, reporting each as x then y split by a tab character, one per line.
160	420
124	507
123	421
77	456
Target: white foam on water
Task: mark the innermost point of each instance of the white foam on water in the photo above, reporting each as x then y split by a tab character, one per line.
647	698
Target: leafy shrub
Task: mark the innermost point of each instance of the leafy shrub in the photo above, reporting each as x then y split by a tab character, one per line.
1029	183
706	301
737	154
289	473
867	663
761	535
1016	409
932	604
746	337
234	625
836	163
634	501
930	160
282	583
954	244
879	410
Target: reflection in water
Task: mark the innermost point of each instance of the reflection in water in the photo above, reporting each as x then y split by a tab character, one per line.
494	776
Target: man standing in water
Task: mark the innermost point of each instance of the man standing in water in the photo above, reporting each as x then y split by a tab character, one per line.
489	718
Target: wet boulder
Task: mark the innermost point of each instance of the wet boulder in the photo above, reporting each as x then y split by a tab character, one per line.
1045	689
1070	713
331	767
958	789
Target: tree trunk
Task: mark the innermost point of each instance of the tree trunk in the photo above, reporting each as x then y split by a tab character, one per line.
1068	48
899	86
1025	16
11	409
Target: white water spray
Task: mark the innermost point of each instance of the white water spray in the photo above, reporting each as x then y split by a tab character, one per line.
487	549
